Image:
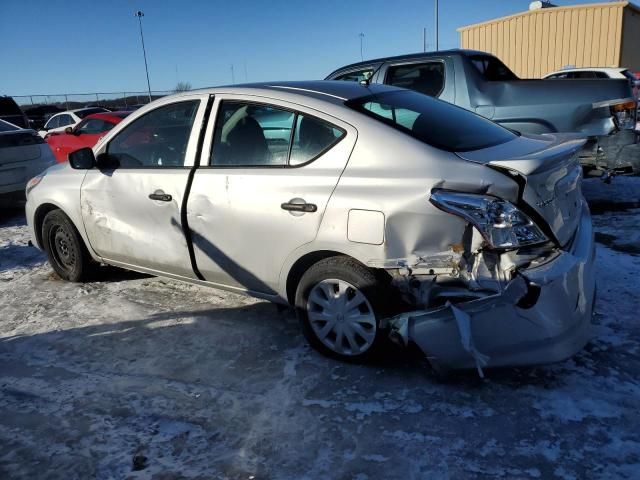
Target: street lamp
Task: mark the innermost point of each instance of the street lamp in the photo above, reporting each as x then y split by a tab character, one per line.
140	14
361	35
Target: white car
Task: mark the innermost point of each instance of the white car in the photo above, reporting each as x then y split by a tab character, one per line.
592	72
60	121
23	155
598	72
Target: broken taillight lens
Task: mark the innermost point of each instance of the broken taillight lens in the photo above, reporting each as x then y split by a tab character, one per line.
500	223
624	115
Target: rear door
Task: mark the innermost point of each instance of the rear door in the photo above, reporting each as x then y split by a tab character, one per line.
261	190
132	213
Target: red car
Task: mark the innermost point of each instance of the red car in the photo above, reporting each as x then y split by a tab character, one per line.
85	134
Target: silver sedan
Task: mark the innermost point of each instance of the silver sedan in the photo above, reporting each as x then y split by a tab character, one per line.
375	211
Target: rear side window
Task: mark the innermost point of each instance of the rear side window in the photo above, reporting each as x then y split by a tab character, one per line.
427	78
258	135
356	75
432	121
491	68
312	137
64	120
158	139
587	75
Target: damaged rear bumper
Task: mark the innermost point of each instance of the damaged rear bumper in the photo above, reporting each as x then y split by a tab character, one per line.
542	315
618	152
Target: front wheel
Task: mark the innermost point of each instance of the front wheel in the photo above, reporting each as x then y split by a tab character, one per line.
339	303
65	248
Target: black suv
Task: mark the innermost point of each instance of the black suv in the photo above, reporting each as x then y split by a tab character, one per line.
11	112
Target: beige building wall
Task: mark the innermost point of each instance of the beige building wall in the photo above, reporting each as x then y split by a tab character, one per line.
536	42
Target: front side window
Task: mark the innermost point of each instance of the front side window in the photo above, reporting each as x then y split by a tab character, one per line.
427	78
157	139
356	75
253	135
94	126
53	123
432	121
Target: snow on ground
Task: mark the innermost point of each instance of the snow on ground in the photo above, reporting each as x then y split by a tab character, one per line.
138	377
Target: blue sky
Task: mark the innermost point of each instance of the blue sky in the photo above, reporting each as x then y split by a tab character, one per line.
54	46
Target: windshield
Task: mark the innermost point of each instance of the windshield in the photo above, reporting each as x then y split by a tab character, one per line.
433	121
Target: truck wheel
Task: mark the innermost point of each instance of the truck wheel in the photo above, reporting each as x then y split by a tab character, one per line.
339	303
67	254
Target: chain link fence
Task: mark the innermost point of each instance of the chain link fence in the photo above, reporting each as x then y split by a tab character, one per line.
69	101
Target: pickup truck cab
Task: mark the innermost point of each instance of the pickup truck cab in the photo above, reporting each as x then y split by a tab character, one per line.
603	110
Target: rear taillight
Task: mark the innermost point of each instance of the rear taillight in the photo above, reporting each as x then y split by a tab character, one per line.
624	115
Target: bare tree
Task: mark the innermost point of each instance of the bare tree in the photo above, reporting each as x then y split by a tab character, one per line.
182	87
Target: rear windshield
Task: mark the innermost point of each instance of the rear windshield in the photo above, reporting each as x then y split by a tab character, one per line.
433	121
8	127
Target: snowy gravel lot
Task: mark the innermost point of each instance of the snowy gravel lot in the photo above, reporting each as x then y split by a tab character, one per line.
139	377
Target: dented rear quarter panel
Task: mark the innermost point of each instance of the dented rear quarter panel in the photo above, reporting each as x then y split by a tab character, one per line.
396	180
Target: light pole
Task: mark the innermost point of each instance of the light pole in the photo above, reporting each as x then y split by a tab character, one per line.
436	23
140	14
361	35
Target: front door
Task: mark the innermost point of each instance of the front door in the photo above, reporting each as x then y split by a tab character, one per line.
263	191
132	212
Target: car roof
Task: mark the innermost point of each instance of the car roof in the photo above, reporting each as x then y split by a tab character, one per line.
589	69
333	91
414	56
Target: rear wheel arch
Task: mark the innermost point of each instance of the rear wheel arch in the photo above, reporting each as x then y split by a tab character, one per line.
299	268
301	265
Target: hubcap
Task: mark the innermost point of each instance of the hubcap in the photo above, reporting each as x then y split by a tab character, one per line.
341	317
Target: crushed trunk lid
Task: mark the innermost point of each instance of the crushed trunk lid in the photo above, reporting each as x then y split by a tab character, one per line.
551	169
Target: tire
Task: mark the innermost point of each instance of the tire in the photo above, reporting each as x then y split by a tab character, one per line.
331	325
66	251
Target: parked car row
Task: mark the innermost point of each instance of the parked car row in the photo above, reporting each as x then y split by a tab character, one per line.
70	118
86	133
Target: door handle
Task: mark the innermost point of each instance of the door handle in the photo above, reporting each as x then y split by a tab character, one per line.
299	205
160	196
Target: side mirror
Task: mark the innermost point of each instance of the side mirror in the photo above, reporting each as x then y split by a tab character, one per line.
68	130
82	159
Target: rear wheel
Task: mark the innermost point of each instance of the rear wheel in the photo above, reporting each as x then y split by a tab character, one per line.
340	303
68	256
